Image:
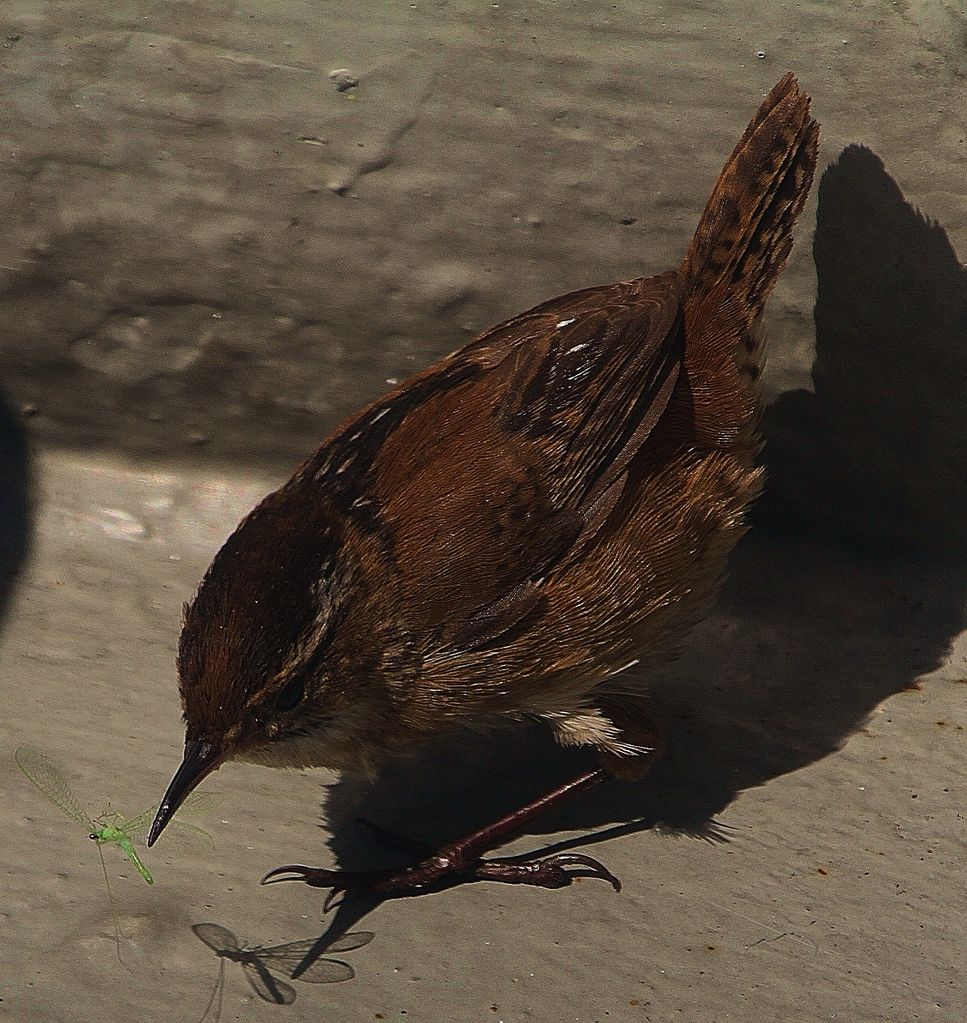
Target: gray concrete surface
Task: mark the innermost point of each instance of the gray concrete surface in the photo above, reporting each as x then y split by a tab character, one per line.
210	255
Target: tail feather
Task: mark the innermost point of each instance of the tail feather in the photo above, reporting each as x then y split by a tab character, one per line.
744	235
738	251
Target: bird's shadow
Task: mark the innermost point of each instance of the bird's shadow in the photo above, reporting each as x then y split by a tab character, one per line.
16	501
842	594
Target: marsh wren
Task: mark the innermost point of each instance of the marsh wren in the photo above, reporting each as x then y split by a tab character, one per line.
501	535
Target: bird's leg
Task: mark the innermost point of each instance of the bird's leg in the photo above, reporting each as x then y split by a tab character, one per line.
464	857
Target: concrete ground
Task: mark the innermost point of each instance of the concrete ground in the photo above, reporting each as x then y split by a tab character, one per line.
210	255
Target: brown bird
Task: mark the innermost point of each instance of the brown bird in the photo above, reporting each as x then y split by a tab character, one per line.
503	534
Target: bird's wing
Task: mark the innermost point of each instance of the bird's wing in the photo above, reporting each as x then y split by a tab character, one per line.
484	471
589	376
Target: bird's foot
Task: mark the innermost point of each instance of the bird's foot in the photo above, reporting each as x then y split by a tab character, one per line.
463	859
451	863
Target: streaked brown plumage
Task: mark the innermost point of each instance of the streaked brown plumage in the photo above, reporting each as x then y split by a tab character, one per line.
502	534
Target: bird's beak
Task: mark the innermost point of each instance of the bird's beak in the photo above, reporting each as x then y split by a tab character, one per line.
201	758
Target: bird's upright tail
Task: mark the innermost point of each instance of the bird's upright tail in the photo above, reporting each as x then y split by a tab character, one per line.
739	249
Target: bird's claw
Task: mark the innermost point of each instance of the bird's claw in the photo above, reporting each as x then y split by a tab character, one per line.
274	876
316	877
549	872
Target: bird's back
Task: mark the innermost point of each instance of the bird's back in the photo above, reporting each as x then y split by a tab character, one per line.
640	400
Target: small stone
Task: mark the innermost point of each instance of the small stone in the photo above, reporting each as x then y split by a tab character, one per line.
343	79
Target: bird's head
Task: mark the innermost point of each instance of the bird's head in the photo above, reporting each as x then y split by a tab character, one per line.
276	653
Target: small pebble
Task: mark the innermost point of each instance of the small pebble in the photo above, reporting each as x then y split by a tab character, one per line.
343	79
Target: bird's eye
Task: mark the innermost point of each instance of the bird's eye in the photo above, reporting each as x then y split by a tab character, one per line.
291	695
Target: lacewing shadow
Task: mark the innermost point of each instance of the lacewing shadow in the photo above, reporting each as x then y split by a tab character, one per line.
258	964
